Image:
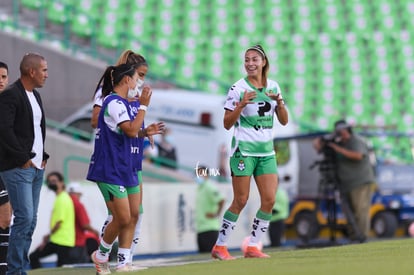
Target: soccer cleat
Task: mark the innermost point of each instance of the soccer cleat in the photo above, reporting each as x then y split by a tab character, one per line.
102	268
254	252
220	252
129	267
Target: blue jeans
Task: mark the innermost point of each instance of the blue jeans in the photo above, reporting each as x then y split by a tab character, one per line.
23	186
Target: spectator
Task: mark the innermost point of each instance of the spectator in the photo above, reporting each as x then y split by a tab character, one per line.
209	204
166	150
82	226
61	238
280	212
22	155
355	176
5	209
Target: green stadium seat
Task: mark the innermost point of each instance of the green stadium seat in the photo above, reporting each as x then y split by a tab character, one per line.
359	14
33	4
83	25
330	17
277	18
85	19
304	17
58	12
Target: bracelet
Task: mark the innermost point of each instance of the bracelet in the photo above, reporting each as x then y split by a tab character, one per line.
142	108
281	102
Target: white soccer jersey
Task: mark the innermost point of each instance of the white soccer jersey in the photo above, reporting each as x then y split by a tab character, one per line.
253	130
115	113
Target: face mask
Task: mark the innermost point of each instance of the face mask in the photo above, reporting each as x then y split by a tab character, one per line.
133	92
169	139
140	82
52	187
199	180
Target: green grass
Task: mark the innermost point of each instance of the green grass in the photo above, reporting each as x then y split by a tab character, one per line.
380	258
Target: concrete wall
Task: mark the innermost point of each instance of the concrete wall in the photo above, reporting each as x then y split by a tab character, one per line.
72	78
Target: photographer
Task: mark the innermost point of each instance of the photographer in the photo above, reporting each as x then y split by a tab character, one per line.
355	175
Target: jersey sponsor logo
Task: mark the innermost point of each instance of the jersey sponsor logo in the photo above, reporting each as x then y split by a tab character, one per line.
134	150
264	107
121	113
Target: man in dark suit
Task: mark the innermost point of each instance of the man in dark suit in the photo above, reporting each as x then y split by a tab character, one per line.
22	155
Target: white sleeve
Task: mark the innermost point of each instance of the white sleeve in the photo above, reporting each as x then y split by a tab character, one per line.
274	87
233	97
98	100
117	112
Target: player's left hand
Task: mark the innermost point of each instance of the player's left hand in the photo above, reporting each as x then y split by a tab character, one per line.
155	128
274	96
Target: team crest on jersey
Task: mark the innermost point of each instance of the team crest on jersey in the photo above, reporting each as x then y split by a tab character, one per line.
122	189
241	166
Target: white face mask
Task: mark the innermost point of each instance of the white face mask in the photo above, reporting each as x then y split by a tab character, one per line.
140	82
133	92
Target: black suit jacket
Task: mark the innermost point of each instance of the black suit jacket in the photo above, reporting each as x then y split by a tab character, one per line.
16	127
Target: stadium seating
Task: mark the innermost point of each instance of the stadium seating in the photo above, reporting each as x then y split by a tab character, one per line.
332	58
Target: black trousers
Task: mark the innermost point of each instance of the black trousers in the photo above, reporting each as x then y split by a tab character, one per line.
63	255
276	230
206	241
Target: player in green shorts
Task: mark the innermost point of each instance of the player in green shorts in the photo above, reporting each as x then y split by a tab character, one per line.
250	107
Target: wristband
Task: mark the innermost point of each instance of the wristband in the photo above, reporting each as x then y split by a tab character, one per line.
142	107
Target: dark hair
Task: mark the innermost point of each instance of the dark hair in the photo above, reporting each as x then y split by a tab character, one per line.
30	61
130	58
56	174
4	65
258	48
113	76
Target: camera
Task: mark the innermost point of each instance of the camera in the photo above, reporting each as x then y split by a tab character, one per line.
327	166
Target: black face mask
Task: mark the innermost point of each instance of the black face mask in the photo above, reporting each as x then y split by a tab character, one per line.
52	187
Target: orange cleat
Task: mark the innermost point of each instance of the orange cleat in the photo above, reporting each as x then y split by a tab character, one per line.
220	252
254	252
102	268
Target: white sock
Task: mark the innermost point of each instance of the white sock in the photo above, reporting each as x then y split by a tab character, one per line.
123	256
259	228
103	252
107	221
226	229
136	237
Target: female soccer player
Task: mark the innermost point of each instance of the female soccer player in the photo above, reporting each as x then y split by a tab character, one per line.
112	163
250	107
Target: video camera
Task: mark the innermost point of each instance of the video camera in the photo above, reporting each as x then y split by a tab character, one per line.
327	166
327	151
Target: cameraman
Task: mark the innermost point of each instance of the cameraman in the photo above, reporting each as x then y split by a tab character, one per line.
355	175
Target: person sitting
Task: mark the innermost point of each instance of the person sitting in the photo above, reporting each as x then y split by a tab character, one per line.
61	238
